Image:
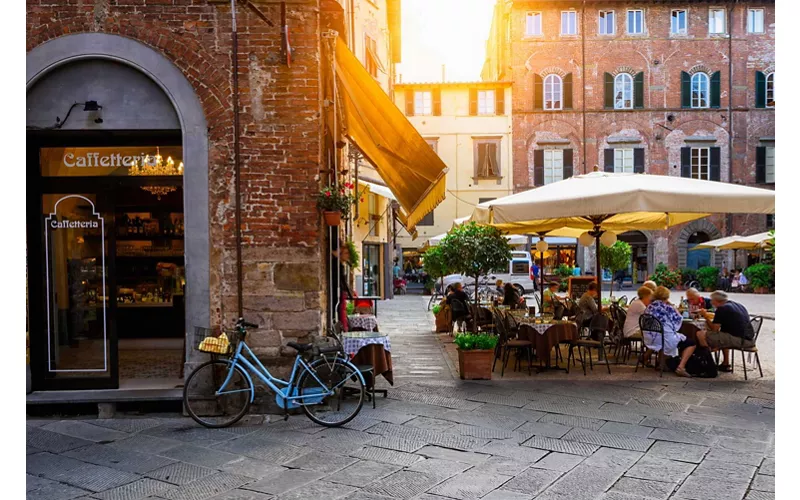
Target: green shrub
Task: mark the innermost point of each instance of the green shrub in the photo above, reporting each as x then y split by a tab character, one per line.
436	308
350	308
563	271
688	274
708	276
469	341
663	276
354	257
761	275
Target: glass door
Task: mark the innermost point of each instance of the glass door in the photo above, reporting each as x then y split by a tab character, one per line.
372	270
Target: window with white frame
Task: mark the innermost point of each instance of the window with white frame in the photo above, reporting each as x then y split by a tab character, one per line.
623	91
635	22
700	90
606	21
770	90
769	170
623	161
552	92
423	102
716	21
569	22
533	24
486	102
755	20
678	23
553	165
700	163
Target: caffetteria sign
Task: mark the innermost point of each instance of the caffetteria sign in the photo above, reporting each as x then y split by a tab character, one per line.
102	161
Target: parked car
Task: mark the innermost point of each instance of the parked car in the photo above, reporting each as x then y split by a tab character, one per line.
518	274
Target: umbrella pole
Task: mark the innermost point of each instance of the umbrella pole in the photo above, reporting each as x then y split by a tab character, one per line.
541	280
599	272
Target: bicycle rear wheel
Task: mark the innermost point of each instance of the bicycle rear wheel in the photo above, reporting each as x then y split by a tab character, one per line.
339	378
209	406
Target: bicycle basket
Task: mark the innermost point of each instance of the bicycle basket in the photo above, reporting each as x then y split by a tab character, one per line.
212	341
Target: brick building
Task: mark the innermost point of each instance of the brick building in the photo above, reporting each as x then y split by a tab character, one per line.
132	162
660	87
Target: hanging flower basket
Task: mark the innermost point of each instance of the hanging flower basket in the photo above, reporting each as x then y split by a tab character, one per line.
332	218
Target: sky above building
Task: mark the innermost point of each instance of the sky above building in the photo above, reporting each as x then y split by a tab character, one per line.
449	32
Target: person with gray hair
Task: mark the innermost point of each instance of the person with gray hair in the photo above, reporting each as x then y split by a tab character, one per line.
696	301
652	285
730	327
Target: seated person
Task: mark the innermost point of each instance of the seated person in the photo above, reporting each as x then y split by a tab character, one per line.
499	288
587	306
457	293
696	301
551	302
729	329
635	311
650	284
673	342
743	281
511	297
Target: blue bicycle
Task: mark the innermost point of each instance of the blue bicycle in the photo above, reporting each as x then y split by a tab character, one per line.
328	388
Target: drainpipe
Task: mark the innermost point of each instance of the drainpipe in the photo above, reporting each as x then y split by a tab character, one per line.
583	80
730	113
236	164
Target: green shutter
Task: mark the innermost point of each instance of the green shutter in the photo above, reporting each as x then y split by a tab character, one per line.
715	89
761	90
638	90
686	90
609	90
567	91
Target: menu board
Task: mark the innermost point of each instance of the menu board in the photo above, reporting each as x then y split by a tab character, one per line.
578	286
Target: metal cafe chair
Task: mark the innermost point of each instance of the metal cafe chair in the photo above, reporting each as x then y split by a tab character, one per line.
755	322
649	323
598	327
506	344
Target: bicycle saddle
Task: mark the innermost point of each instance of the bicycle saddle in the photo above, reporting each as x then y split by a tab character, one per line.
299	347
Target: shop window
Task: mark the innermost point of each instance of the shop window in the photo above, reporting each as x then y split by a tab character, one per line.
484	200
770	221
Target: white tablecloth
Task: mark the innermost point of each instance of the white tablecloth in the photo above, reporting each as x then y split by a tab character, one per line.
352	344
367	322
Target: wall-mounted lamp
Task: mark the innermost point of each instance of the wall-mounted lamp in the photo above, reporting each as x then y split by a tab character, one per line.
95	109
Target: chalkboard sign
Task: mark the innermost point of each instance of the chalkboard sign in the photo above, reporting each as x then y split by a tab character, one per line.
578	286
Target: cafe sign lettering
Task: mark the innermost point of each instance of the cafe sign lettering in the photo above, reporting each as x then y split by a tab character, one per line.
102	161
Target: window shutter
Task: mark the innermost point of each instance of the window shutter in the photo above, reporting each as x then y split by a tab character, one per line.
473	102
686	162
494	164
714	164
686	90
608	88
638	161
715	89
761	165
436	102
538	167
567	90
479	166
538	92
761	90
500	101
608	163
409	102
638	90
568	168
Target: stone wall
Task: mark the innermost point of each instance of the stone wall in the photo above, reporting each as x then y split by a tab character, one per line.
280	143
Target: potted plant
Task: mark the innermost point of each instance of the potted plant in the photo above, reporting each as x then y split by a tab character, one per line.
435	309
761	276
355	258
434	264
334	202
663	276
708	277
687	275
475	355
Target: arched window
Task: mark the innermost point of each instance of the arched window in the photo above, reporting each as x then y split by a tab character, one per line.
552	92
623	91
700	90
770	90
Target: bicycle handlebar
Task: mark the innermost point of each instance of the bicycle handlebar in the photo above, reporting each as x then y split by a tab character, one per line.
242	322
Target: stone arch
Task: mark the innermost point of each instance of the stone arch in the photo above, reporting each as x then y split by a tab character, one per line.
700	68
63	50
624	69
552	70
702	225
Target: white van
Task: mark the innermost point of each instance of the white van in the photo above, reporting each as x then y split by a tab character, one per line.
518	274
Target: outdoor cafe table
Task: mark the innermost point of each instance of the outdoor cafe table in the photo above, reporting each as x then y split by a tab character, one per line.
690	327
370	348
548	335
363	322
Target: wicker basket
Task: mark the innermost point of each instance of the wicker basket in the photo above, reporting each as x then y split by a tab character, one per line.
212	342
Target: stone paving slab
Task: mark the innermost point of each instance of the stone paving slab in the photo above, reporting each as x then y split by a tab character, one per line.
545	429
84	430
453	455
439	468
207	486
674	436
563	446
263	449
240	494
277	484
678	451
660	469
53	441
144	444
180	473
573	421
430	424
644	488
362	473
627	429
49	465
397	443
470	485
318	489
609	440
135	490
503	466
130	461
385	456
327	463
724	471
763	483
767	467
561	462
504	494
700	488
55	491
250	467
95	478
129	425
199	456
532	481
736	457
511	450
403	484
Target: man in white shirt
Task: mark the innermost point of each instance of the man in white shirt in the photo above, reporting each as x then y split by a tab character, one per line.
743	281
635	310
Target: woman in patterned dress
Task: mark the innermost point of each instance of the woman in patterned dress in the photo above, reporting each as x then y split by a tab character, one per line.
671	321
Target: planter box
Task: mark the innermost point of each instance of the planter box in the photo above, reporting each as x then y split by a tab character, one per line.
332	218
475	364
762	290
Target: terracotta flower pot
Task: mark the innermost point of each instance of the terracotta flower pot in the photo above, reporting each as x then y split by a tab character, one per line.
475	364
761	290
332	218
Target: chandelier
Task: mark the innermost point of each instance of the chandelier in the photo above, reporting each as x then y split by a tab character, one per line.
155	166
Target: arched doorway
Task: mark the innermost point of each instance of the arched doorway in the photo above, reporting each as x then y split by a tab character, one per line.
638	269
118	253
696	259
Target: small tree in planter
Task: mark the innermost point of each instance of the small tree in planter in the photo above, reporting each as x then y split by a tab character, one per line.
761	276
335	202
475	251
615	258
475	355
435	265
708	277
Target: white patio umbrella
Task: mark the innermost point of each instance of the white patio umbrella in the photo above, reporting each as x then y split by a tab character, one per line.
601	202
752	242
717	244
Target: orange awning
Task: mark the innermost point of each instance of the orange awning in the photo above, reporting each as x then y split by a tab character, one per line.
408	165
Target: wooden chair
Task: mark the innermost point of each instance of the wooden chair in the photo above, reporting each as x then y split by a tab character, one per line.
506	344
649	323
598	327
755	322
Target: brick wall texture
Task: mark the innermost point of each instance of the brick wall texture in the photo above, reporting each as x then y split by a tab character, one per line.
280	143
662	124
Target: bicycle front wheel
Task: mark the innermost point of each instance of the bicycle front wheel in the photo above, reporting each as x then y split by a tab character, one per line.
211	405
342	384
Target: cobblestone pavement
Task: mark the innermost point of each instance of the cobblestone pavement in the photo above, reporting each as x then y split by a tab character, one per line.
436	437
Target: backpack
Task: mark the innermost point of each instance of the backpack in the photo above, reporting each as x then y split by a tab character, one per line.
701	364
